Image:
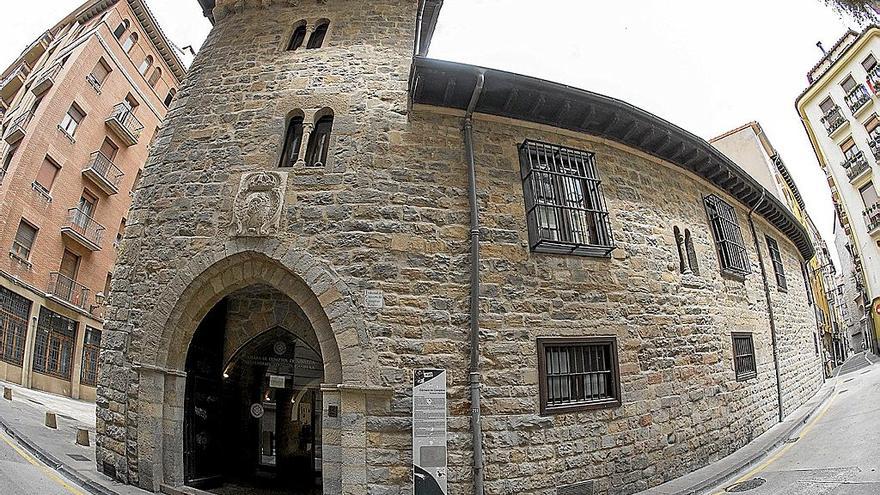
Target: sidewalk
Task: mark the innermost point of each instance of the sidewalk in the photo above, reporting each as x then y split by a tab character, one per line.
23	419
750	455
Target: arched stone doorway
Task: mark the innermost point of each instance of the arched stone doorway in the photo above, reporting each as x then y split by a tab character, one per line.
349	369
252	409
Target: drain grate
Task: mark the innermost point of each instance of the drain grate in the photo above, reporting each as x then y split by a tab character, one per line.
78	457
745	485
793	440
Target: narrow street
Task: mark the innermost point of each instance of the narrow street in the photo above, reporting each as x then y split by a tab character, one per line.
836	453
22	474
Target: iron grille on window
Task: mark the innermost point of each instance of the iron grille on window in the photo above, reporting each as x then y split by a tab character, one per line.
778	268
53	350
91	347
578	373
744	356
732	254
14	311
805	272
565	209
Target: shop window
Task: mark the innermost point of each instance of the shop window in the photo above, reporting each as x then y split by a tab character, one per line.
14	311
91	349
54	343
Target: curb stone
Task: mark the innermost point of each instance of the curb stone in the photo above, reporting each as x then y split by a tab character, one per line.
51	461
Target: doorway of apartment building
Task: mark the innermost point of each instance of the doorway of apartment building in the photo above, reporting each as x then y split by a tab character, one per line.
253	402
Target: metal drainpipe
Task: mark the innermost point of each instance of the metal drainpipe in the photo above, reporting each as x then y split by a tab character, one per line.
769	303
474	374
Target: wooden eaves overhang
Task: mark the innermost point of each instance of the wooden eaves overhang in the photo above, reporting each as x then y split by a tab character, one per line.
505	94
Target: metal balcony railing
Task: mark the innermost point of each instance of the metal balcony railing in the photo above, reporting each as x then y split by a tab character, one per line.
874	144
22	70
874	78
855	165
103	172
857	98
46	80
18	128
126	125
67	289
872	218
84	228
833	119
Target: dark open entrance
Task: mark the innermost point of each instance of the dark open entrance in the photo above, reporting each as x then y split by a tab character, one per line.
253	403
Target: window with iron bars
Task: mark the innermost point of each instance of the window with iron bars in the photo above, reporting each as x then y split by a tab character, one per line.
91	348
732	255
744	357
778	267
565	208
805	272
578	373
53	349
14	311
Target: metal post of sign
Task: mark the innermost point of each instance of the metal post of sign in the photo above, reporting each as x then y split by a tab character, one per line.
429	432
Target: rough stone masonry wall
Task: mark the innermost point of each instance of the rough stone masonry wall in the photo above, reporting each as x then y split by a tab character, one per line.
389	211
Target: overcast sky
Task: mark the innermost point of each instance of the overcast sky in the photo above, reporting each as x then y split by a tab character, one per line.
707	66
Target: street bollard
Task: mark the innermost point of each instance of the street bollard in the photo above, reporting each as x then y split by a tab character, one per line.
7	393
82	437
51	421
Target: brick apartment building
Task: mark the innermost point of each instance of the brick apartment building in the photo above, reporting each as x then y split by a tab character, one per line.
79	108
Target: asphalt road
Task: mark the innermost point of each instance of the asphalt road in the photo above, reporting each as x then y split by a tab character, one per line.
21	474
837	452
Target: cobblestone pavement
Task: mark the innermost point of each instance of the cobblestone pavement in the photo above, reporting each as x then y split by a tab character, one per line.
837	452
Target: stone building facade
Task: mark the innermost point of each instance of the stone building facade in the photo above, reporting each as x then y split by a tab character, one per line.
78	111
224	246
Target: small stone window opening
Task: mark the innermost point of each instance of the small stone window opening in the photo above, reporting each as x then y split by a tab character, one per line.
565	209
578	373
319	142
778	267
170	97
679	246
121	29
744	356
292	142
298	37
805	273
130	42
155	76
317	37
145	65
691	253
732	255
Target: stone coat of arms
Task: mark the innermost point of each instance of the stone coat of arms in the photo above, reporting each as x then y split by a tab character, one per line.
256	211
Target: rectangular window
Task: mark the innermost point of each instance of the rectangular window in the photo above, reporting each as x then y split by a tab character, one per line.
872	126
91	349
849	148
848	84
778	267
805	272
827	105
14	311
72	119
10	152
47	173
732	255
565	208
744	356
53	348
24	240
99	74
869	194
869	63
578	373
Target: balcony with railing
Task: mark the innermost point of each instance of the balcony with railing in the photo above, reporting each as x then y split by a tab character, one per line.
18	128
124	124
82	229
872	219
857	99
874	78
46	80
834	120
874	144
10	84
103	173
63	288
856	166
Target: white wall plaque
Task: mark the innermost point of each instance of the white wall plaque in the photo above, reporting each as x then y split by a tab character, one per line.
374	299
276	381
